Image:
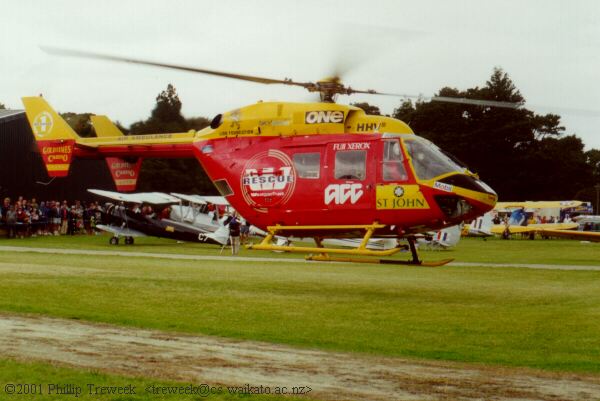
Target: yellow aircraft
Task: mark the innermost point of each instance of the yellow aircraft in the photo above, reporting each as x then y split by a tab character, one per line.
563	230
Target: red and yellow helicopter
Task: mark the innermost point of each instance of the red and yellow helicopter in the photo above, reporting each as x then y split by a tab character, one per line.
320	170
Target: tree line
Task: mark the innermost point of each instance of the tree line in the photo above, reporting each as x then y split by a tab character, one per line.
522	155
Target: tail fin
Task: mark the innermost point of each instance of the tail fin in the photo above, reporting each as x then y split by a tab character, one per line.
104	127
221	235
54	137
124	173
482	226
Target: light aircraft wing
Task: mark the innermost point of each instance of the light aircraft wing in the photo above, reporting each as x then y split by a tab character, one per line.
537	205
190	198
499	229
154	198
554	226
216	200
536	228
202	199
118	231
582	219
572	234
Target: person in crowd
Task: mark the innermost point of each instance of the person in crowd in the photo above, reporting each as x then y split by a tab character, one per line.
210	211
244	231
234	225
35	222
11	222
54	213
43	222
76	218
165	213
23	221
148	212
64	218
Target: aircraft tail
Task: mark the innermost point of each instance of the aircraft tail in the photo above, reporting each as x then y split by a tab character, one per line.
482	226
221	235
124	173
104	127
54	136
447	237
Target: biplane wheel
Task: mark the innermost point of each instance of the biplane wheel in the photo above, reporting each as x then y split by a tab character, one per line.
128	240
114	241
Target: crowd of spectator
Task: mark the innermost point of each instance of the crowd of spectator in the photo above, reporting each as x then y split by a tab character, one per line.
24	218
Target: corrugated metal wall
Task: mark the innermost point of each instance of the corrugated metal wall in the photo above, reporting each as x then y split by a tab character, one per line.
22	171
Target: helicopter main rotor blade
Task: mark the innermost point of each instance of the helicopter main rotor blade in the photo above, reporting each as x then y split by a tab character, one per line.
446	99
99	56
476	102
318	87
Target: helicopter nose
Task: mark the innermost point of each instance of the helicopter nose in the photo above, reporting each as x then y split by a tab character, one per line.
469	197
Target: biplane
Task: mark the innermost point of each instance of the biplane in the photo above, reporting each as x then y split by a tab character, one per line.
161	215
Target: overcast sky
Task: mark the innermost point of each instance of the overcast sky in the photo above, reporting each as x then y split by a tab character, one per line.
549	48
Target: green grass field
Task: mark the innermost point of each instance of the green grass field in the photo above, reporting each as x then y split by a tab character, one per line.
546	319
491	250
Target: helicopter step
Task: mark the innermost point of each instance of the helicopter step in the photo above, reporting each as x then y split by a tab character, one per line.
360	250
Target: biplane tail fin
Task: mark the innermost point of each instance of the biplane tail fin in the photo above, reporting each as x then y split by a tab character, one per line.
124	172
54	136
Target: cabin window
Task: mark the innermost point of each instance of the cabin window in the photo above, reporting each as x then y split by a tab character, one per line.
307	165
393	167
350	165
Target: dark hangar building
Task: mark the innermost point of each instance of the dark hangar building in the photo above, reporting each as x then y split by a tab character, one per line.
22	171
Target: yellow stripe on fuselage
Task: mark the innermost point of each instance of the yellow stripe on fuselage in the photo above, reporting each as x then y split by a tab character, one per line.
57	167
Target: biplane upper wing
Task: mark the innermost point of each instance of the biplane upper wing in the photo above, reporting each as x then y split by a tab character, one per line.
202	199
216	200
153	198
197	199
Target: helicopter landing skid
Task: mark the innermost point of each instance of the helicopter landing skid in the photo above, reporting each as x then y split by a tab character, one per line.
323	254
324	257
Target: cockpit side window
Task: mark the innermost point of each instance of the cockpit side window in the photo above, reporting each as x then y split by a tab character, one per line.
428	160
308	165
393	166
350	164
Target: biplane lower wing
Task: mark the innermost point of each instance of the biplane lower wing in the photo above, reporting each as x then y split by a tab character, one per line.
120	231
